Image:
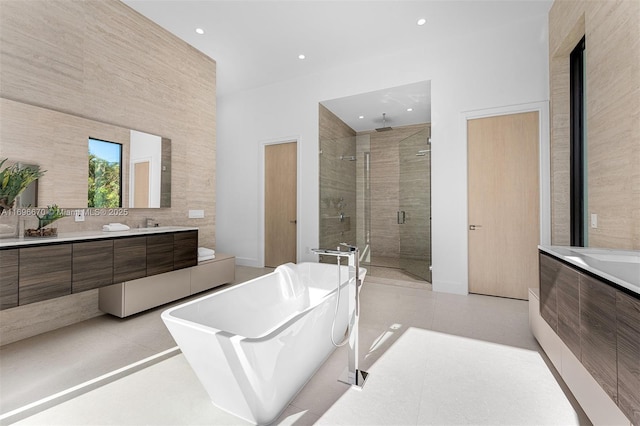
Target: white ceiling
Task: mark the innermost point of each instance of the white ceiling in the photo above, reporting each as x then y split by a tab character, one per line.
257	42
393	101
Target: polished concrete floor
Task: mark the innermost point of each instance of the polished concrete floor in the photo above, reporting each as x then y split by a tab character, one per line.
433	358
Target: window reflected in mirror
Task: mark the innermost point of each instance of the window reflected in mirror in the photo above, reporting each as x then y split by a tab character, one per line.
105	174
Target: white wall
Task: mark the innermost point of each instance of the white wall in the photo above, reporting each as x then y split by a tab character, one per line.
504	66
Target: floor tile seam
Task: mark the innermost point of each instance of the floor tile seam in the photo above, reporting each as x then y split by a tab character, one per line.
146	352
85	387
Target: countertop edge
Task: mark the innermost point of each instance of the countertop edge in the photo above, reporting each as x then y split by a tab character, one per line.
575	260
66	237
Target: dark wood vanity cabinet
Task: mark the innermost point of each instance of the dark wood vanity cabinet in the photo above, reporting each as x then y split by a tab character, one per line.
559	301
568	291
600	324
598	333
9	278
185	249
40	272
129	259
628	350
44	273
159	253
92	265
549	270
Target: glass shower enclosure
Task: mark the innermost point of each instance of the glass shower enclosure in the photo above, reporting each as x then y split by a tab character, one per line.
414	214
347	190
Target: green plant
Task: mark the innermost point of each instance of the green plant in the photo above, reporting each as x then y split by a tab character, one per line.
104	183
53	213
13	180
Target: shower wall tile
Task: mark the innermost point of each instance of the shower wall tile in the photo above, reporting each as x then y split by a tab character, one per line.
385	188
337	180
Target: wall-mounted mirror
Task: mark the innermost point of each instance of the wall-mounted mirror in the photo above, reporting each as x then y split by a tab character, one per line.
149	171
58	143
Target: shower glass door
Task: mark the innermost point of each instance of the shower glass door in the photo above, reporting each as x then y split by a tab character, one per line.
337	192
414	215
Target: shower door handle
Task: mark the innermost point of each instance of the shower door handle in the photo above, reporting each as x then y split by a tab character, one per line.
401	217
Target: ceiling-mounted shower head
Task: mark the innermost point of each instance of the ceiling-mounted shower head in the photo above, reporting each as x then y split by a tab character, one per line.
384	127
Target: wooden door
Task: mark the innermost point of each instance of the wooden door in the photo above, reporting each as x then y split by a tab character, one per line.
503	185
280	196
141	184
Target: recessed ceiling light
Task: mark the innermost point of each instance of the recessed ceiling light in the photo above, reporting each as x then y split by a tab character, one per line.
421	21
361	117
200	31
301	56
409	109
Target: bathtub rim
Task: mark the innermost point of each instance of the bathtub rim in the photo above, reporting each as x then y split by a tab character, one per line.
166	315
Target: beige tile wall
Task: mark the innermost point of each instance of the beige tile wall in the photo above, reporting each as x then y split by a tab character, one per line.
612	30
385	189
102	61
337	180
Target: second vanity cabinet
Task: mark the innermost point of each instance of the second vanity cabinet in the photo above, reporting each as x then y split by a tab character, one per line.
56	268
600	324
628	351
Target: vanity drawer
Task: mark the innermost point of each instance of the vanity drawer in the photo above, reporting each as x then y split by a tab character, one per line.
185	249
9	278
129	259
159	254
45	273
92	265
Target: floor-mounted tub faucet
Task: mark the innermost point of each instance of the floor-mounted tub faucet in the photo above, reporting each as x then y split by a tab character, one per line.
353	376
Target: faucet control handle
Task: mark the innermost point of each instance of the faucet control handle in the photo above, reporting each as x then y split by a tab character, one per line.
349	246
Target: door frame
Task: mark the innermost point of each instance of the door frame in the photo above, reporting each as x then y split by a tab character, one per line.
544	165
261	197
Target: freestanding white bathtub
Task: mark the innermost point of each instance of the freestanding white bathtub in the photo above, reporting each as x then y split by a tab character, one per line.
255	345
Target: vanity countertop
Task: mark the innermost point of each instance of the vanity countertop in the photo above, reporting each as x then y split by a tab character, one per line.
90	235
621	267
